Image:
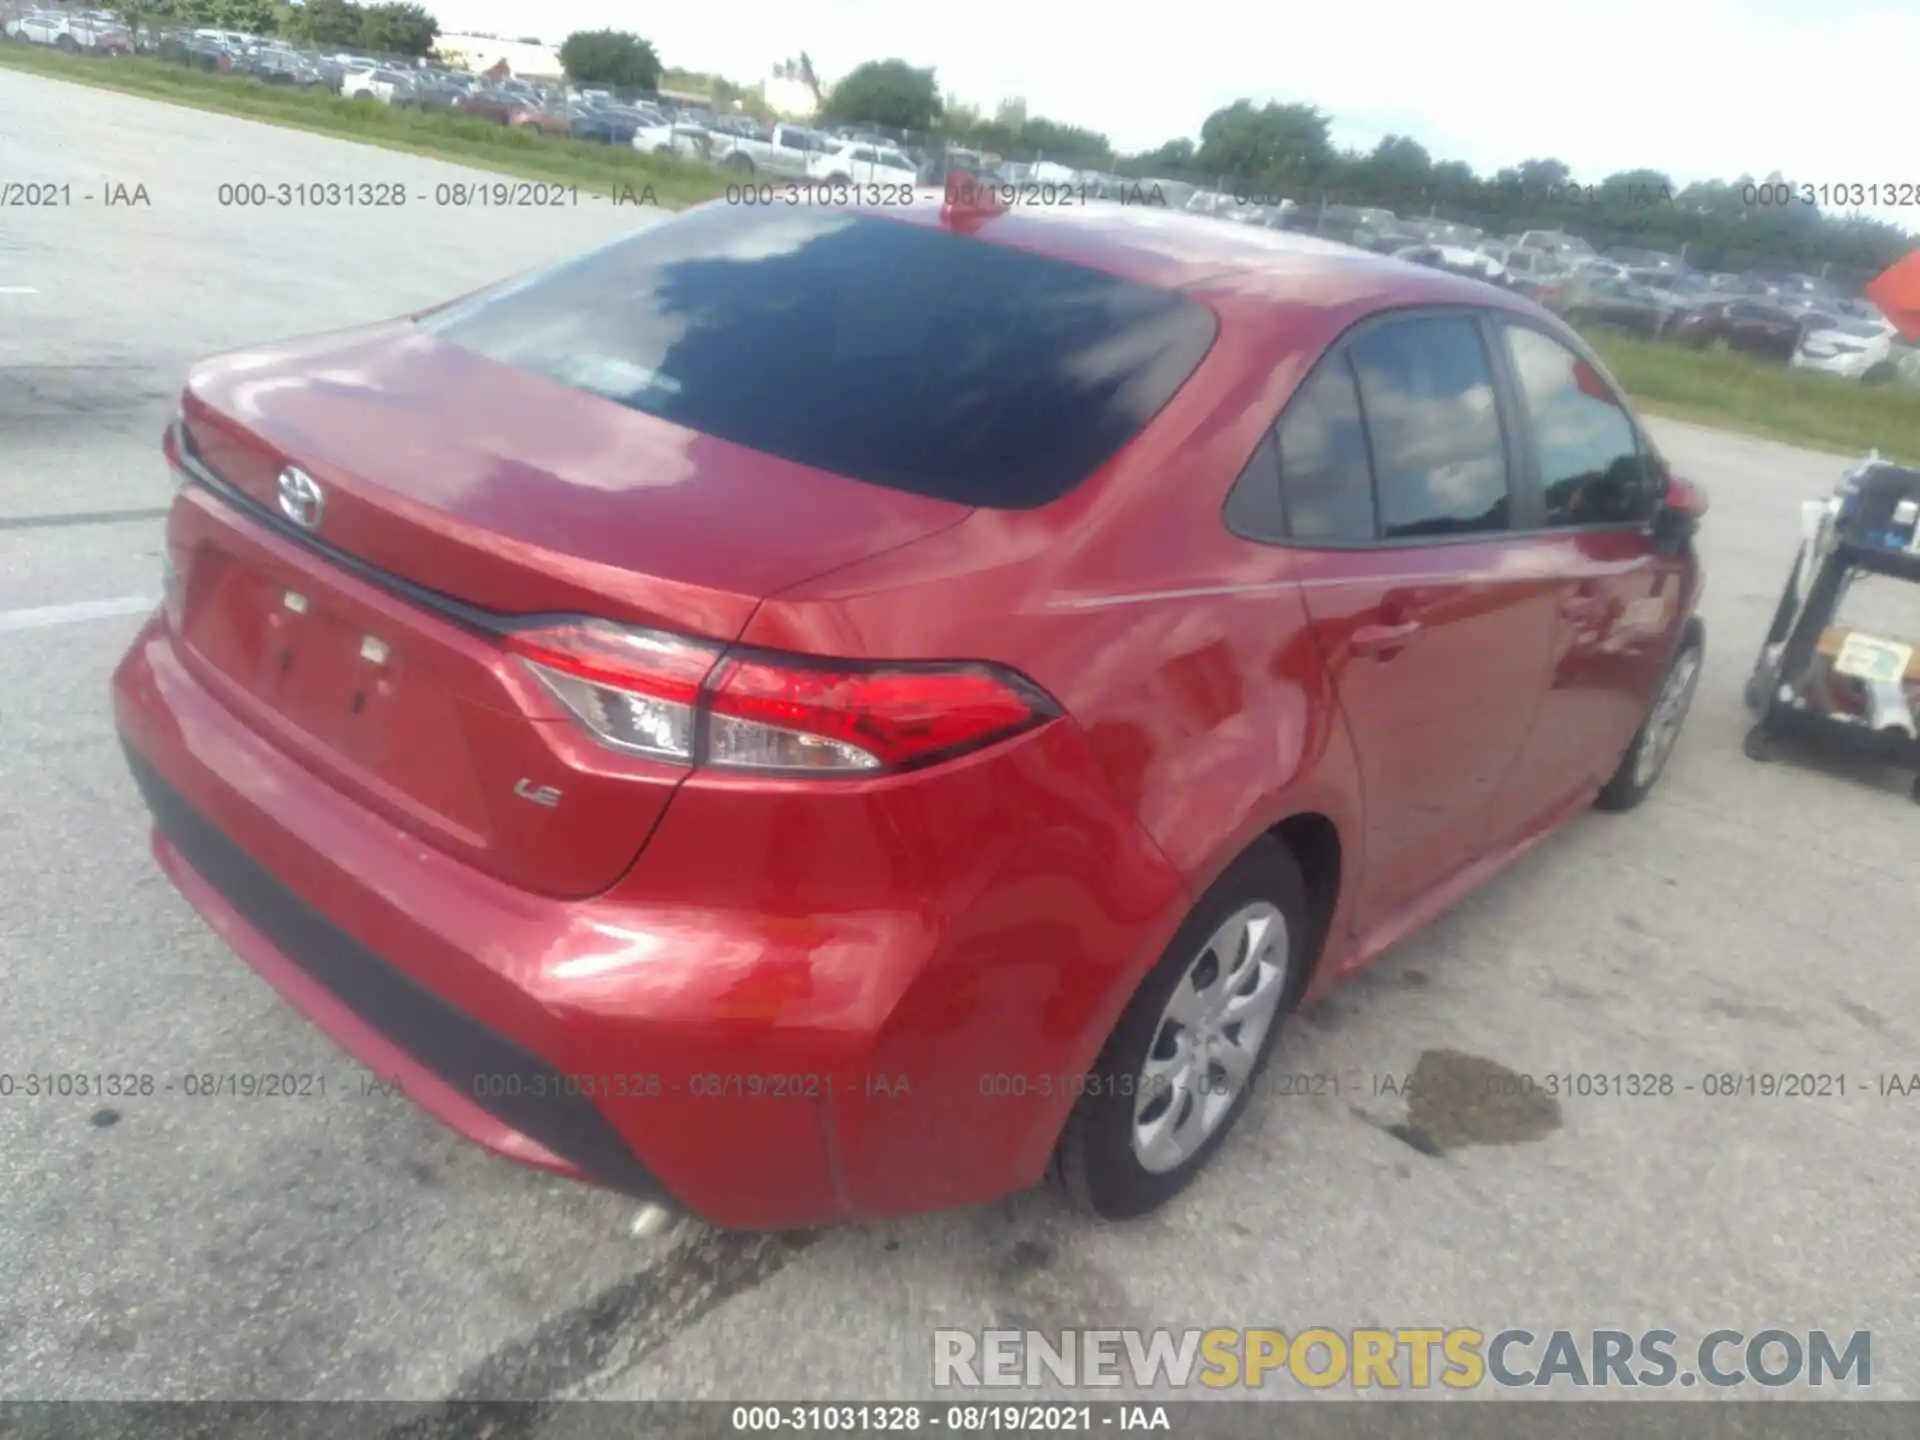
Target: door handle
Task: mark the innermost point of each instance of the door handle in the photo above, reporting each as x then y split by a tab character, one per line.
1583	605
1384	640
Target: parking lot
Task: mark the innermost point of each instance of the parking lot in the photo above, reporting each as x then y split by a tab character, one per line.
1749	919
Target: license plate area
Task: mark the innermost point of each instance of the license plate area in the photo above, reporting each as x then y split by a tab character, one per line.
304	656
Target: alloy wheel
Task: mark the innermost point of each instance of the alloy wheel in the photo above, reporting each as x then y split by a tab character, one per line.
1669	712
1210	1036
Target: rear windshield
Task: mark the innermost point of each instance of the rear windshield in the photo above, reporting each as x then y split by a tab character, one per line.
889	352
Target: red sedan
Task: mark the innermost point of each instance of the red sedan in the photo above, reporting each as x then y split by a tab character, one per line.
817	714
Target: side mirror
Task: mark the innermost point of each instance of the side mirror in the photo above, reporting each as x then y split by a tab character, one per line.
1677	519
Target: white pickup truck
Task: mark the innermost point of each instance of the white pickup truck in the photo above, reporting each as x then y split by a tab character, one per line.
863	165
688	142
784	152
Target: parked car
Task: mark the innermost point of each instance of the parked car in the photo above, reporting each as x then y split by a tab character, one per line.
1542	270
231	40
1352	224
743	126
381	83
607	124
195	52
283	67
63	30
1459	259
1557	242
1865	350
863	165
433	92
1622	305
783	152
1429	231
1745	325
688	142
1016	677
513	108
1634	258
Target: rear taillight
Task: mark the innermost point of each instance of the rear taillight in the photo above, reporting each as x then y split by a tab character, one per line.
692	702
634	689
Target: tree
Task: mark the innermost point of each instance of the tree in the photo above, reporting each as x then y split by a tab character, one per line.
1548	175
886	92
256	17
136	14
397	29
1275	143
1402	157
610	57
1170	161
811	79
1070	144
1739	224
327	23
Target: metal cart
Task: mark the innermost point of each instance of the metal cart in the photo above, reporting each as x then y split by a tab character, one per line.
1830	682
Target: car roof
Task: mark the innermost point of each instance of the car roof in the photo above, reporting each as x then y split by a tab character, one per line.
1172	249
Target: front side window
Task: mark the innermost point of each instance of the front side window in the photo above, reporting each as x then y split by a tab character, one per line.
1439	454
1591	468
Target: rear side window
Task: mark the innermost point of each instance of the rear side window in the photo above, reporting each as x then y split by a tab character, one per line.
1325	481
1439	454
890	352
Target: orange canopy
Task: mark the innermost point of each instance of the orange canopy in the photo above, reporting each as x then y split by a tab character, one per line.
1897	293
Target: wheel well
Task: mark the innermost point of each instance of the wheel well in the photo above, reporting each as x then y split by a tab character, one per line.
1315	844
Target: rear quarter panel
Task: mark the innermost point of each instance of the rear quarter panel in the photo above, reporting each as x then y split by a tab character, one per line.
1180	652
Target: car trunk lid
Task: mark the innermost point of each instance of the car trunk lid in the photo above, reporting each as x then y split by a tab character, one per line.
457	493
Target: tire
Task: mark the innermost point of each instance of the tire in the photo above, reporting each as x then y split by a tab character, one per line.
1784	611
839	179
1758	744
1881	374
1096	1162
1652	745
741	164
66	43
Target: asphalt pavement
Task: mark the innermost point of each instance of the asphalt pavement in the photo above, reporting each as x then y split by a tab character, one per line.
1749	919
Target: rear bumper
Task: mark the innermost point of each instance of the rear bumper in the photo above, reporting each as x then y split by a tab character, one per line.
725	1030
1846	367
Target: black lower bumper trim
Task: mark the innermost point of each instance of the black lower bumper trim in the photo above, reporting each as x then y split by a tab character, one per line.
1892	747
506	1081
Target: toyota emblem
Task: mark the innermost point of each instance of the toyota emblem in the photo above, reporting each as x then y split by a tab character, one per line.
300	498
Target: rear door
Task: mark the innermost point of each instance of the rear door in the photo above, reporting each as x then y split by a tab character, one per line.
1596	479
1429	608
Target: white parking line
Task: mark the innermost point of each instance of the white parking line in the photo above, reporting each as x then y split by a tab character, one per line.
46	615
18	290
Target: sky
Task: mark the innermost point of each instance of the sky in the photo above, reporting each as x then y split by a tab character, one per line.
1821	90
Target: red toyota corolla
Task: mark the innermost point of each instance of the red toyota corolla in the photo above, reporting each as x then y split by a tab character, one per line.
816	714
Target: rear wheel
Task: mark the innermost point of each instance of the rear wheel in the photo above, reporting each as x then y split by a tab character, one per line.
739	163
1646	758
1179	1068
1880	374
